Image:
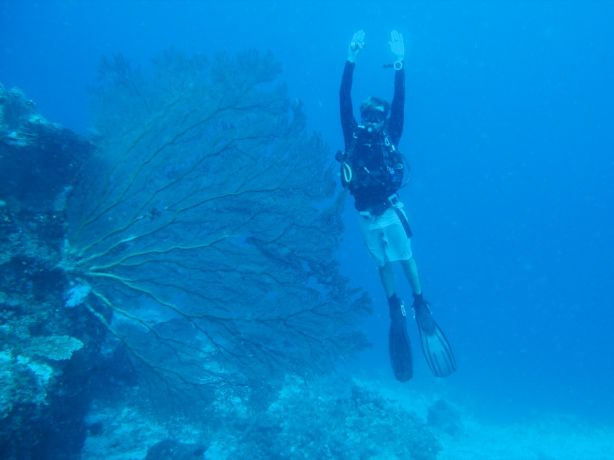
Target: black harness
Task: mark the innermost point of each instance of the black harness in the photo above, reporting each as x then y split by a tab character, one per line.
372	169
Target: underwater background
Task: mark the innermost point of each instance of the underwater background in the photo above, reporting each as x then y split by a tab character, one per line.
509	132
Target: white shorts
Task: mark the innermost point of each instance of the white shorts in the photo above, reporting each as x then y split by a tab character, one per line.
385	235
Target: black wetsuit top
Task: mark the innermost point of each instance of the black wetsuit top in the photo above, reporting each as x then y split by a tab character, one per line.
372	197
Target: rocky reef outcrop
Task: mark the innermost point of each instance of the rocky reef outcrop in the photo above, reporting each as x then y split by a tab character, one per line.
45	348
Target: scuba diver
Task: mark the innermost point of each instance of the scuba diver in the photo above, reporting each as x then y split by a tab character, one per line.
372	170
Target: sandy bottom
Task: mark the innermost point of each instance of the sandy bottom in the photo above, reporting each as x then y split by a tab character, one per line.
546	437
539	440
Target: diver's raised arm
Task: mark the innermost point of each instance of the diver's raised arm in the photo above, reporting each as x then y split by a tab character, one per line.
348	122
397	108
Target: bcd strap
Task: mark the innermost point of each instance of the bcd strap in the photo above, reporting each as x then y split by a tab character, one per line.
403	218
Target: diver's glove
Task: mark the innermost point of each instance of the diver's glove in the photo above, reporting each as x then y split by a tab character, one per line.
397	47
356	45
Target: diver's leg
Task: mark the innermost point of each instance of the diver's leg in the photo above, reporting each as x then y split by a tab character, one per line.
399	249
386	274
411	273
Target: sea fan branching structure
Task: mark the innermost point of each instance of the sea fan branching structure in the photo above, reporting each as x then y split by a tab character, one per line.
203	231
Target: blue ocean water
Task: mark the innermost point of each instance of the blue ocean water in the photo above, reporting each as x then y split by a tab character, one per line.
510	136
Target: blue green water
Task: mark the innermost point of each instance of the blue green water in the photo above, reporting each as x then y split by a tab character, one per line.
510	136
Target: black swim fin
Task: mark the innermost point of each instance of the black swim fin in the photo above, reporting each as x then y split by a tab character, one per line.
398	341
435	346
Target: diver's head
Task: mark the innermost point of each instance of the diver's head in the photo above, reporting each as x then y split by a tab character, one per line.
373	113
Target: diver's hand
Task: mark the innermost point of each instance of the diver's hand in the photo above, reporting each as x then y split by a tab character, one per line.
356	45
397	47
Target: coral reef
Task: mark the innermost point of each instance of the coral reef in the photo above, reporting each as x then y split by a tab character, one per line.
329	418
444	417
186	257
44	347
334	420
169	449
38	159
